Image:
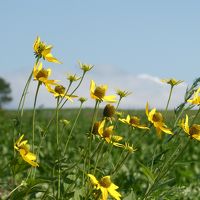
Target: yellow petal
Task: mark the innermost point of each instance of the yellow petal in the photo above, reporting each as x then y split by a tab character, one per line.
93	179
196	136
101	127
186	126
92	86
104	193
50	58
111	98
112	191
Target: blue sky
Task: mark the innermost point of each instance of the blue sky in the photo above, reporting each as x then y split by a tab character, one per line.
158	39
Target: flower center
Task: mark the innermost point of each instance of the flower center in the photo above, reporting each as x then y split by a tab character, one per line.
109	110
134	120
105	182
107	133
60	89
95	128
41	48
99	92
157	117
194	129
43	73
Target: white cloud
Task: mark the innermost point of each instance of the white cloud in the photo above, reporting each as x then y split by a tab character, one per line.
144	87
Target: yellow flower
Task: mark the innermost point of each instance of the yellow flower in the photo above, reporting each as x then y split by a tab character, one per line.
196	98
193	131
41	50
24	149
98	93
40	74
106	186
133	121
156	119
59	91
107	133
171	81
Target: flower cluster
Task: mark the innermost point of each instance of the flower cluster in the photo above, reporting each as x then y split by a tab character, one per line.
104	137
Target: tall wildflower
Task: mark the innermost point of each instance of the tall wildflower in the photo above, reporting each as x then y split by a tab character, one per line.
42	75
196	98
99	93
172	82
24	149
41	50
107	133
60	91
156	119
193	131
133	121
106	186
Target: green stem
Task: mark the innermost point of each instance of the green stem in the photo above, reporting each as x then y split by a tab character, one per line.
24	93
72	129
73	90
58	149
170	94
57	127
195	117
50	121
166	167
20	108
98	155
14	190
33	121
119	164
89	146
93	121
118	104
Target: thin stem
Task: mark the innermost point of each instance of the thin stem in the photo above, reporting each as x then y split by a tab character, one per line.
57	127
50	121
166	167
33	121
72	129
118	103
14	190
119	164
195	117
73	90
98	155
24	93
58	149
89	146
170	94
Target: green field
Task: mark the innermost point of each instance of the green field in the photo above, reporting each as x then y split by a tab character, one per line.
180	179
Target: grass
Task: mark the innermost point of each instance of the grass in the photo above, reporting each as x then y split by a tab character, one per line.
181	181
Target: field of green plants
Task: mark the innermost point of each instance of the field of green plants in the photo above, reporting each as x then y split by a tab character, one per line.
103	152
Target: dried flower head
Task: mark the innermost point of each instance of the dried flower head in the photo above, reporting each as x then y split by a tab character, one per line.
122	93
172	81
85	67
72	77
109	111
